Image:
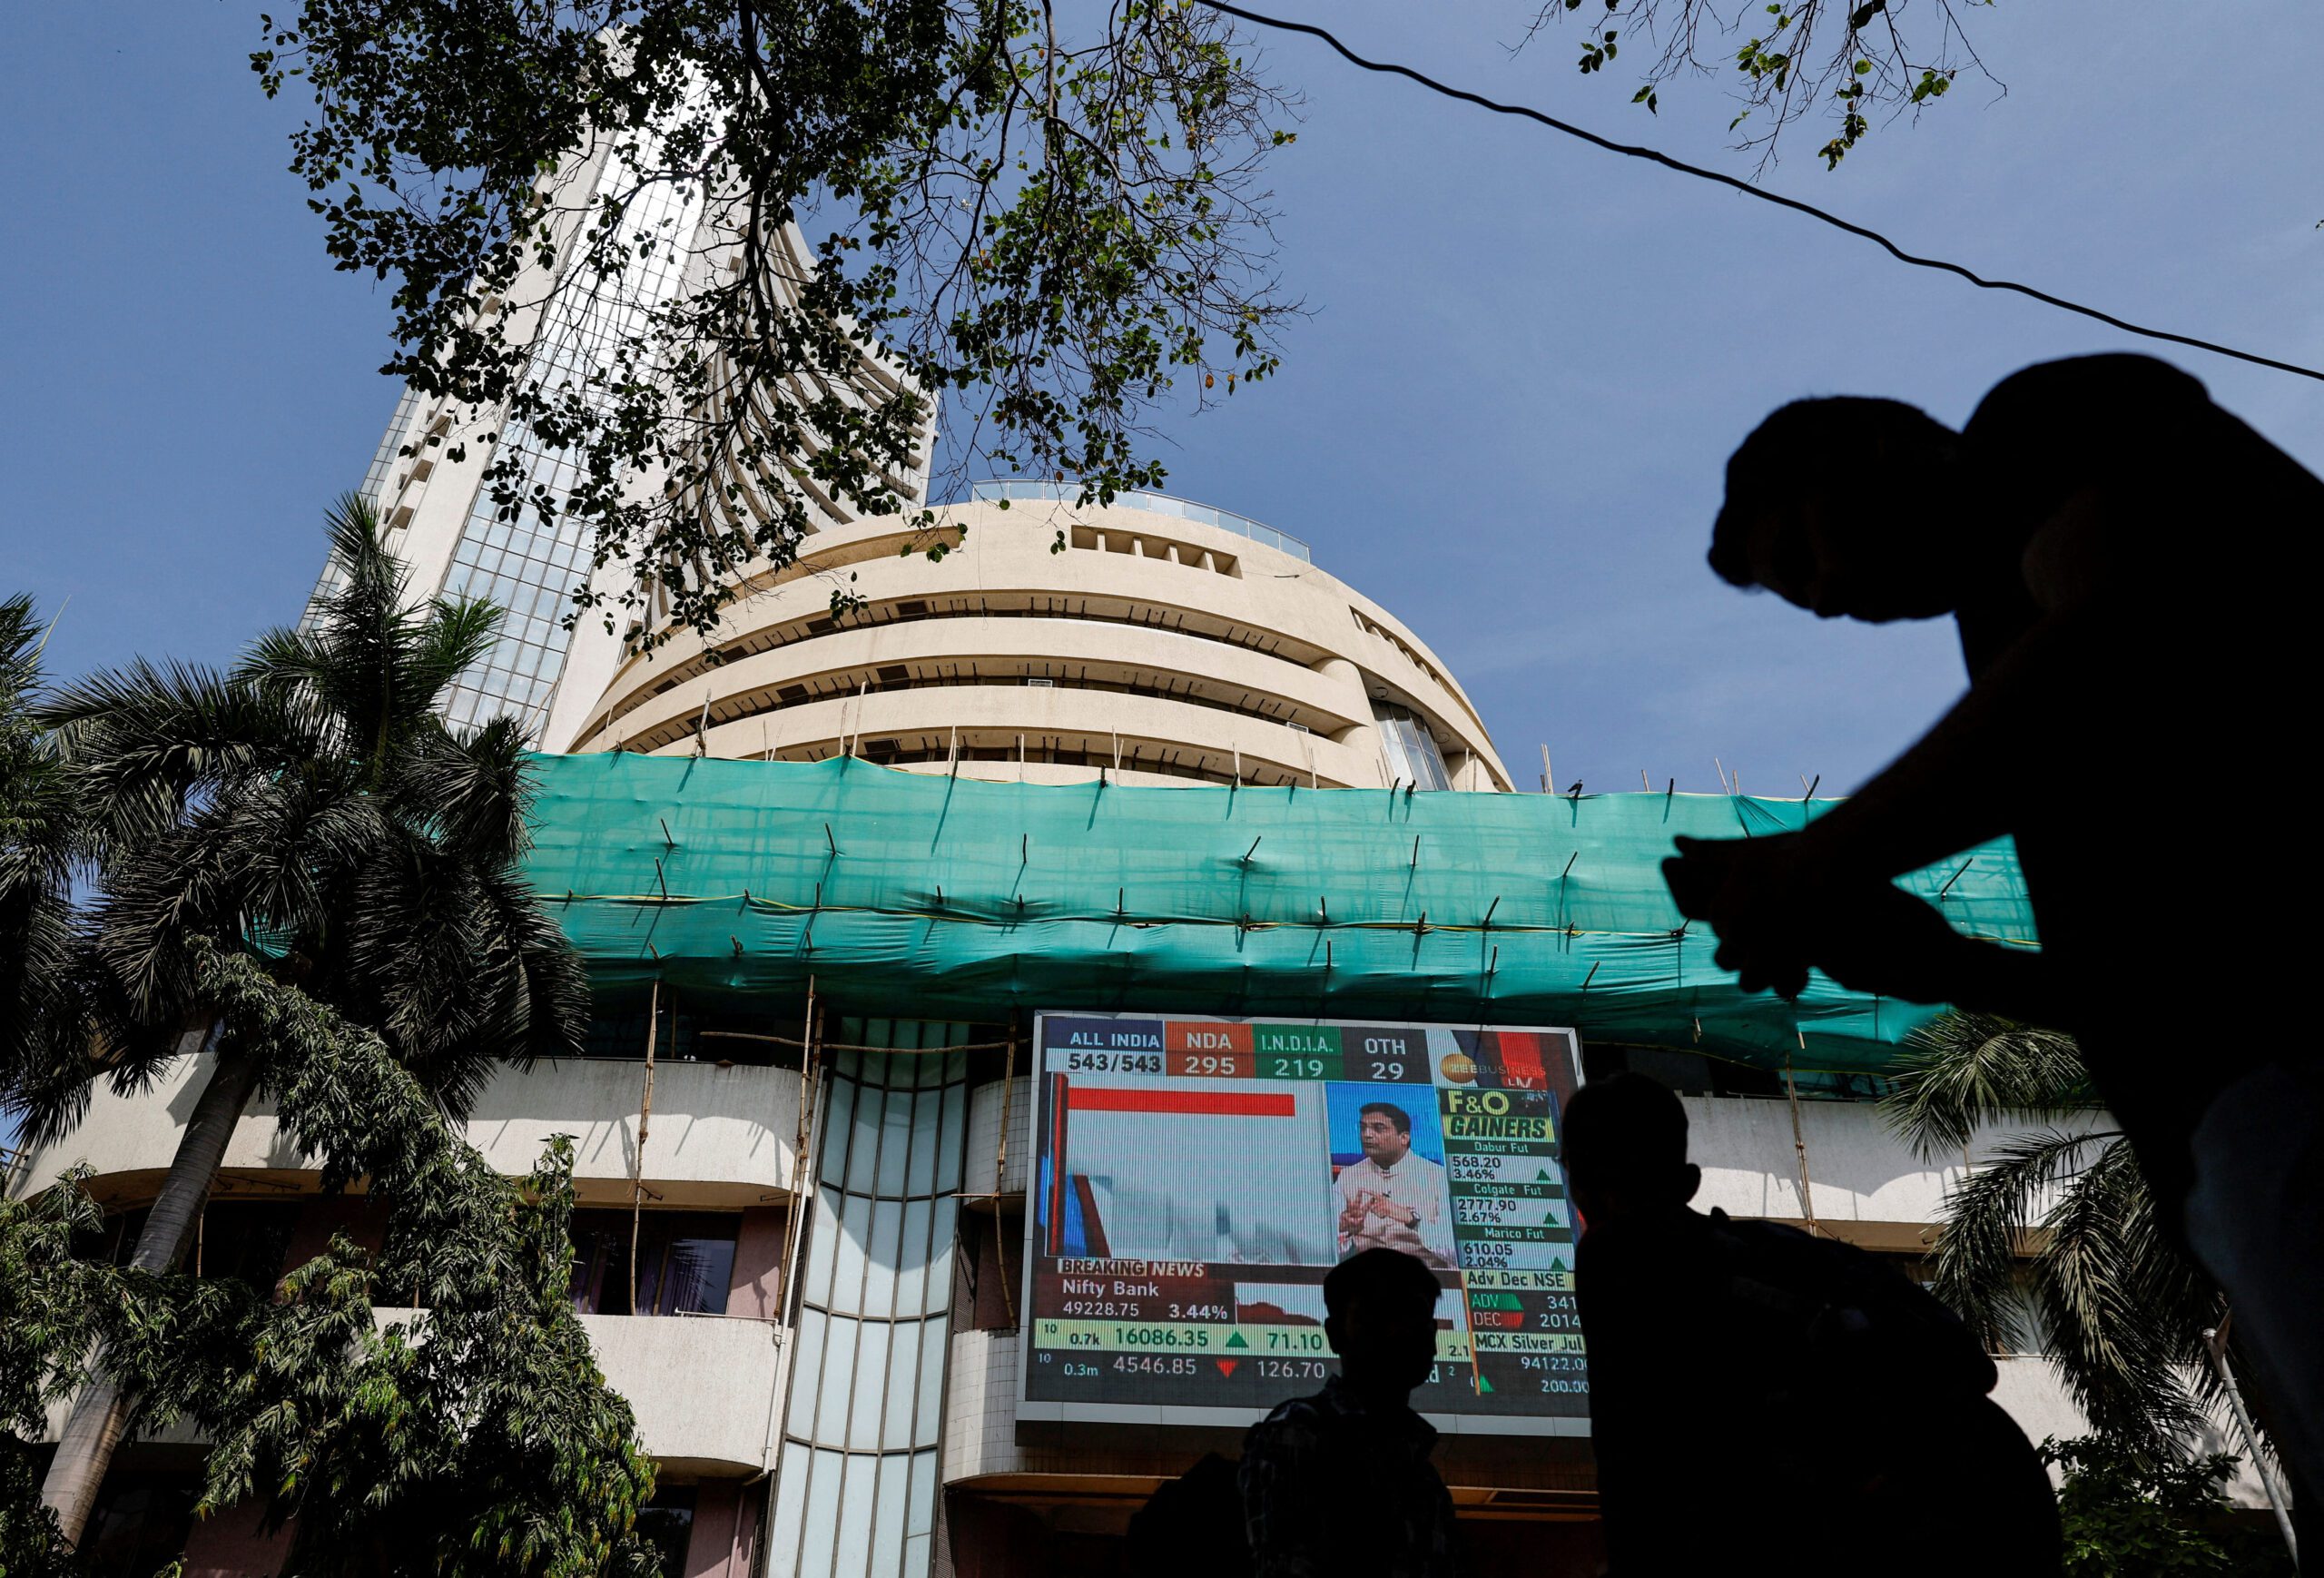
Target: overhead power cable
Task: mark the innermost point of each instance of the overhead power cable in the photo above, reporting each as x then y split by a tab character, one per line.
1652	155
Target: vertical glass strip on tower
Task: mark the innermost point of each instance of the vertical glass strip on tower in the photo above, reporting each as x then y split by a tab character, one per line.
855	1492
383	463
530	566
375	488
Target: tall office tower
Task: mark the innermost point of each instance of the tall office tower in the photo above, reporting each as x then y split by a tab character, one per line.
442	515
1162	642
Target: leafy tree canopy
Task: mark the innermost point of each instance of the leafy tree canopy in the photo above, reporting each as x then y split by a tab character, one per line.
2055	1229
1791	61
2129	1513
1048	222
50	1304
474	1437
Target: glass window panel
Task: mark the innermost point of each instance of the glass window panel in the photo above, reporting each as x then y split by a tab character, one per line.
921	1519
895	1142
791	1511
847	1276
921	1178
955	1136
888	1515
870	1385
912	1259
821	1246
917	1551
880	1274
928	1418
941	1231
700	1273
806	1370
851	1551
903	1395
823	1484
839	1375
838	1117
863	1139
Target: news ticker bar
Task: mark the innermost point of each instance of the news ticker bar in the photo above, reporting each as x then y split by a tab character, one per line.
1270	1341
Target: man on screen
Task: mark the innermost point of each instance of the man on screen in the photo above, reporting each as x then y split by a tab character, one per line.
1392	1199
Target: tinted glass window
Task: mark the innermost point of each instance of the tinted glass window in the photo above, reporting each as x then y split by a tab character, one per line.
685	1261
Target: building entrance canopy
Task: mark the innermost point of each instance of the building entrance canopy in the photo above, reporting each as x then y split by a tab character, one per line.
920	895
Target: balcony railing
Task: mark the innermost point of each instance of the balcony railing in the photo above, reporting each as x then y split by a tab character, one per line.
1242	525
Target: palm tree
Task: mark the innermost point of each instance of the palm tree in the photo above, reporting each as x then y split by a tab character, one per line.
2125	1307
44	838
310	809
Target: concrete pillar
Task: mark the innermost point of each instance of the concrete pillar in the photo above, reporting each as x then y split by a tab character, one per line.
1355	701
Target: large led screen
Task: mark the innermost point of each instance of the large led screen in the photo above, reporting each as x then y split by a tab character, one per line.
1196	1179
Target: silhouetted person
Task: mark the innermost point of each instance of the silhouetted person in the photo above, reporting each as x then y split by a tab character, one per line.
1764	1401
1339	1485
2122	559
1192	1526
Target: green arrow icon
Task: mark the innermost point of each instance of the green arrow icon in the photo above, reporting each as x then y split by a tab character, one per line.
1235	1340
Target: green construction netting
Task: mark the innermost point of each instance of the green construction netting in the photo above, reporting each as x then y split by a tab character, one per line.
918	895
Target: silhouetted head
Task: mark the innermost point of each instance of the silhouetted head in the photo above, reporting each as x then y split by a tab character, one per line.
1385	1131
1380	1319
1625	1150
1851	507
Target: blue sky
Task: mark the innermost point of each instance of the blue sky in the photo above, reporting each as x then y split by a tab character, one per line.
1506	419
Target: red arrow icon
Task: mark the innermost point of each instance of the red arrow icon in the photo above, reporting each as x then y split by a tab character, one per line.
1227	1366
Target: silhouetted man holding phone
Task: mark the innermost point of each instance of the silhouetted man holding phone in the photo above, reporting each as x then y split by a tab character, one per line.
2121	558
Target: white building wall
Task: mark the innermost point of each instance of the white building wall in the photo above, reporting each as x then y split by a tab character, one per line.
719	1136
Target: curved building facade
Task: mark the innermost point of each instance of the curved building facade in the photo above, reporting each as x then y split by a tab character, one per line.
1157	641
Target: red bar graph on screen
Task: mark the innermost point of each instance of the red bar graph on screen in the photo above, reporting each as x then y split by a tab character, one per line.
1054	1182
1203	1103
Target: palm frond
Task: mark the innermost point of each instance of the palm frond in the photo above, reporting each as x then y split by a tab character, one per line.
46	840
370	590
148	740
473	788
546	1011
2126	1367
457	632
1976	1250
284	660
1963	1071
